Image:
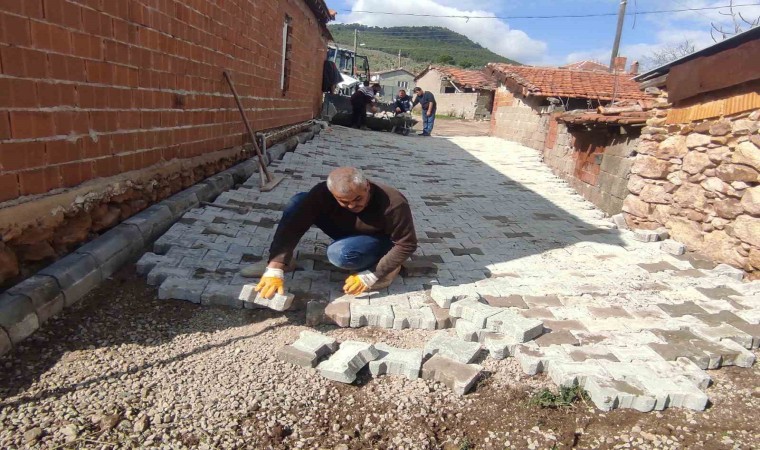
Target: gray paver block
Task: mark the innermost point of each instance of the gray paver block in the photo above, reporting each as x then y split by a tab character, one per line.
5	342
658	267
316	343
706	354
535	360
339	313
619	221
45	294
422	318
181	202
673	247
724	331
152	222
400	300
573	373
741	358
443	319
511	301
419	300
667	390
344	364
278	302
114	248
292	355
512	324
159	274
650	235
444	296
688	369
728	271
371	316
396	361
682	309
17	316
499	346
182	289
451	347
457	376
560	337
543	300
315	313
76	274
608	394
472	310
469	332
147	262
219	294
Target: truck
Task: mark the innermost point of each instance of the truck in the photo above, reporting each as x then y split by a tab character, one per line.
354	67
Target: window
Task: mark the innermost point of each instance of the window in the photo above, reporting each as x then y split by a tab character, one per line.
287	50
403	84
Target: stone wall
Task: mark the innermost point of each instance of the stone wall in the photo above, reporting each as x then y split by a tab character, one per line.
701	181
465	105
518	119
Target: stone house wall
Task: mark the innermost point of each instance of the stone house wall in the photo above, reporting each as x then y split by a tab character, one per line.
518	119
109	106
466	105
701	181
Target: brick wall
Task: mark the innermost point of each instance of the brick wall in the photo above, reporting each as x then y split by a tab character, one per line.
517	119
94	88
122	103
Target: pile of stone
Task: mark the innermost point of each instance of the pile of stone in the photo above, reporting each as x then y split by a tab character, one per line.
445	359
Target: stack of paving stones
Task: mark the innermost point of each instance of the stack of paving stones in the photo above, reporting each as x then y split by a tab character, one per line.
539	274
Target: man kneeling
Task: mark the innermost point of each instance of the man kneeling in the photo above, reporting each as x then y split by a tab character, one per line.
371	226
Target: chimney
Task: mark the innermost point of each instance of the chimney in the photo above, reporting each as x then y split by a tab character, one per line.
620	62
634	68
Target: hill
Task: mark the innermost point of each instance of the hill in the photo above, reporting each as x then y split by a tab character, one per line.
423	45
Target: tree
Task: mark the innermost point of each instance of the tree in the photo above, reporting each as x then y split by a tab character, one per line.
666	54
740	24
446	59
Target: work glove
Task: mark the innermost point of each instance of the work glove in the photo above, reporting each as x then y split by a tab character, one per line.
273	281
359	283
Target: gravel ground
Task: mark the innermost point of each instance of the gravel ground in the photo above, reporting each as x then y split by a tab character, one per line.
125	370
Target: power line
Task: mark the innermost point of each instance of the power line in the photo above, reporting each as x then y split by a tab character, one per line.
563	16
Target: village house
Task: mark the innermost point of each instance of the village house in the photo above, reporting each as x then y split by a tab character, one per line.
697	168
109	107
392	81
463	93
538	106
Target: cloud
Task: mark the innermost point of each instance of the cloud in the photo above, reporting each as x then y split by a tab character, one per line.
494	34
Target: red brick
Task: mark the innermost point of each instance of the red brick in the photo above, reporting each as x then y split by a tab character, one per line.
63	13
51	37
118	8
21	155
121	30
104	121
128	162
30	8
67	68
31	124
106	167
50	94
87	46
14	30
99	72
117	52
76	173
97	23
59	152
39	181
8	186
22	62
18	93
71	122
95	149
5	125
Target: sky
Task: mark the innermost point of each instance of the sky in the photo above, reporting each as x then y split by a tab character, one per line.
555	41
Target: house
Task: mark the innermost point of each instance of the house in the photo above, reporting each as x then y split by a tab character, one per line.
391	81
697	168
556	111
101	119
587	65
463	93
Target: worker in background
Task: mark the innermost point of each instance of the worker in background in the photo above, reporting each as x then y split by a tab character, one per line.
428	104
363	96
370	224
403	103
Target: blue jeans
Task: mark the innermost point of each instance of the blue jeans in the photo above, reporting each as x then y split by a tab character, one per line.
349	252
427	122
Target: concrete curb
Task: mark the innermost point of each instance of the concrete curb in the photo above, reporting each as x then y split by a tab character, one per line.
29	304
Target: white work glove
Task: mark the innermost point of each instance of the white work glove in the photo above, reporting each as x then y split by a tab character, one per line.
359	283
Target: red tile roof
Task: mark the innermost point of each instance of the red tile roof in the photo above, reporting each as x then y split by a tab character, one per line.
475	79
556	82
587	65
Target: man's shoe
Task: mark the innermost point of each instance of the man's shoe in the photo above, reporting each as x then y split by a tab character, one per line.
386	281
256	270
421	134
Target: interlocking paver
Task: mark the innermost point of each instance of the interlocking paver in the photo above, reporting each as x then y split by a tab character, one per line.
344	364
493	223
452	347
396	361
457	376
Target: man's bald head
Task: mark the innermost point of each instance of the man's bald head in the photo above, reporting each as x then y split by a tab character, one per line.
350	188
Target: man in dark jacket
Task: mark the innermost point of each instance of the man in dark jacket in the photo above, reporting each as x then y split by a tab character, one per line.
427	101
403	103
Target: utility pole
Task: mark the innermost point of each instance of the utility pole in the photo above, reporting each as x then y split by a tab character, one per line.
399	58
353	67
616	45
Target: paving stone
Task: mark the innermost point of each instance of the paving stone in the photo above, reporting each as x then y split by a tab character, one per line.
667	391
444	296
737	322
316	344
538	313
684	343
697	262
561	337
650	235
76	274
114	248
278	302
682	309
535	360
542	300
391	300
718	293
457	376
658	267
451	347
182	289
512	324
499	346
741	356
159	274
315	313
371	316
608	394
724	331
606	312
566	325
688	273
292	355
421	318
419	300
219	294
45	294
396	361
511	301
472	310
17	316
728	271
637	353
590	352
345	363
339	313
619	221
152	222
5	342
442	318
692	372
573	373
469	332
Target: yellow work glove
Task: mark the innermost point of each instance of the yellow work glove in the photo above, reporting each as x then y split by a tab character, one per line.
359	283
272	281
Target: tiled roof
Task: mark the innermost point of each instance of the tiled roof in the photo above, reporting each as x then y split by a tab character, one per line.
468	78
592	66
555	82
620	113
